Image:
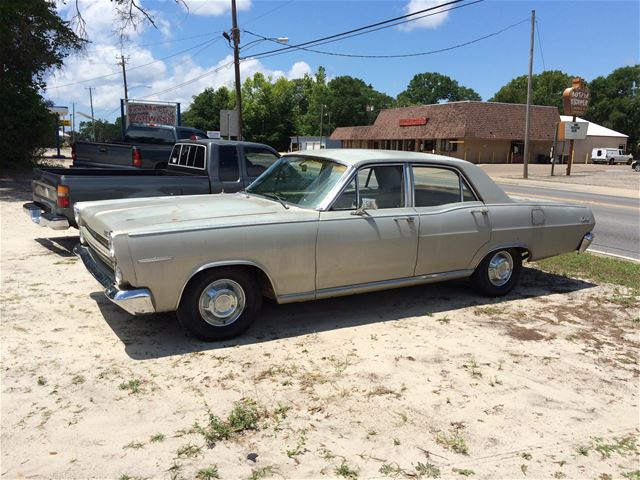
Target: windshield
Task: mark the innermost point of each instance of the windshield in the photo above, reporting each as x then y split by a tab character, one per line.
301	181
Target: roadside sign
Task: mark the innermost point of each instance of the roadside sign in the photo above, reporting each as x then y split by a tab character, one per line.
59	110
65	122
162	114
575	99
572	130
213	134
228	123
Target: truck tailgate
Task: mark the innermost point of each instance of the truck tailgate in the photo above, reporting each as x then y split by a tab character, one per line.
45	188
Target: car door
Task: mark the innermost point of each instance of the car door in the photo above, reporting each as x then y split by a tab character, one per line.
454	224
228	172
379	244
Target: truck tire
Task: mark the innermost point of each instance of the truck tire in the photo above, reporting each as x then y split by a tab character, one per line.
220	303
630	161
497	273
611	162
636	167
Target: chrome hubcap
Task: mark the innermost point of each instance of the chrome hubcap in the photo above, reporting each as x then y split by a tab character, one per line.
222	302
500	268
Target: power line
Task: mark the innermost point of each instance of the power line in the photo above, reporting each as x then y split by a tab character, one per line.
359	29
544	67
175	40
418	54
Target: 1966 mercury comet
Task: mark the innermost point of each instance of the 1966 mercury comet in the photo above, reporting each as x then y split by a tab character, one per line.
319	224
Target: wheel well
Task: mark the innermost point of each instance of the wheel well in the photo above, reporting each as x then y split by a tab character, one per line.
261	277
526	254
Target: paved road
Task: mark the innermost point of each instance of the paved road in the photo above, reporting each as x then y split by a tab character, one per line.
617	218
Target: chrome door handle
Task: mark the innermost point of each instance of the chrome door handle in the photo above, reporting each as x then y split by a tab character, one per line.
408	219
483	211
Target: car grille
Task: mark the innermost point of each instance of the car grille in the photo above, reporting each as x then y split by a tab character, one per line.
99	247
99	238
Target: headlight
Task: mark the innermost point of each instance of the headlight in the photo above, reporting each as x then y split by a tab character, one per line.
118	274
76	215
112	252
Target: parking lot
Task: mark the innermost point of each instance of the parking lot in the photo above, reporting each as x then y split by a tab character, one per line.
416	382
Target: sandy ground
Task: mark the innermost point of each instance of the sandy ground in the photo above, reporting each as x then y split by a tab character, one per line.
407	383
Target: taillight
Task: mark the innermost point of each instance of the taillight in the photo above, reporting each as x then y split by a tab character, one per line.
73	152
63	196
136	157
193	137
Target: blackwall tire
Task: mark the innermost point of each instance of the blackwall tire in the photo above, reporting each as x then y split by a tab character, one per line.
498	273
219	304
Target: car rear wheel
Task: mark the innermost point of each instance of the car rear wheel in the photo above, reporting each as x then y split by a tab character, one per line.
498	273
220	304
636	167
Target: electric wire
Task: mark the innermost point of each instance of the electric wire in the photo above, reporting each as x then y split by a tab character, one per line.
544	67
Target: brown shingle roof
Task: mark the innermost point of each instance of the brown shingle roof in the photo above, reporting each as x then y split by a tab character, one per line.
482	120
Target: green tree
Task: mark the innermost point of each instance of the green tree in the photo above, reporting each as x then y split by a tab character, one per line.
546	89
105	130
33	40
431	87
615	103
204	111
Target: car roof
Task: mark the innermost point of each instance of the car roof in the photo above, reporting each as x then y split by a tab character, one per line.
217	141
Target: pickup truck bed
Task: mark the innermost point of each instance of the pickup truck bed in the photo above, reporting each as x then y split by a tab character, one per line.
56	190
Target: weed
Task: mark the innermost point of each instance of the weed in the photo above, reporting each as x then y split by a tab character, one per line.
208	473
344	470
635	475
621	446
444	320
134	445
391	469
157	438
428	470
524	468
559	474
488	311
275	370
132	385
243	416
258	473
174	471
454	441
396	442
526	456
473	367
188	451
42	381
326	454
78	379
382	390
299	448
465	472
583	450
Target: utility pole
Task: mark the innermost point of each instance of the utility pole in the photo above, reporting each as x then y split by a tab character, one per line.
93	119
528	111
123	62
235	34
321	118
73	122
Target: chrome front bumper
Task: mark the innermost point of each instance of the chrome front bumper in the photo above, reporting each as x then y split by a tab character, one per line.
586	241
37	216
136	301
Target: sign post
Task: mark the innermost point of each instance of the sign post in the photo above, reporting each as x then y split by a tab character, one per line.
575	101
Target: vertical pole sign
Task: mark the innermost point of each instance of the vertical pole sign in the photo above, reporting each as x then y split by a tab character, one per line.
575	101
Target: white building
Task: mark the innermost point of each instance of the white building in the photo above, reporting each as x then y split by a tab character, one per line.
597	136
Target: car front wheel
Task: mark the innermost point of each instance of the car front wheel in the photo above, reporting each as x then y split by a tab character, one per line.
498	273
220	304
636	167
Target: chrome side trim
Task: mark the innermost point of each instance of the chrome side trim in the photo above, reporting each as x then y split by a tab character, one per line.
37	216
374	286
135	301
154	259
585	242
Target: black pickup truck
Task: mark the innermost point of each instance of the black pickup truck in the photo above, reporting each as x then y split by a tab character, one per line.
195	167
144	146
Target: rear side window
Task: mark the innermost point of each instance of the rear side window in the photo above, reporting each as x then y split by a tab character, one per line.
257	160
175	155
188	156
149	135
228	170
439	186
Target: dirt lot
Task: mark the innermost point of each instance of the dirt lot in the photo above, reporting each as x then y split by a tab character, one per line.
417	382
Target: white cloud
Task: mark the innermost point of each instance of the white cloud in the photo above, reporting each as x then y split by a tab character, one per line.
429	21
211	8
299	70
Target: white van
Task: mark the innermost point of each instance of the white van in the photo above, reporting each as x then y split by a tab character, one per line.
610	156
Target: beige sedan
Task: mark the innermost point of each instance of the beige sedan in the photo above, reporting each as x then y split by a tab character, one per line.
315	225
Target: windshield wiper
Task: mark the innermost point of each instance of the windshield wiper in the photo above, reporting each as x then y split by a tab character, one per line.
277	197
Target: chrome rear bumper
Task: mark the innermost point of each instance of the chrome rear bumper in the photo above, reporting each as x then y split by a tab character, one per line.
136	301
586	241
37	216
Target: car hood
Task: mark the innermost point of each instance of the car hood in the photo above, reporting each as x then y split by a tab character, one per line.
181	212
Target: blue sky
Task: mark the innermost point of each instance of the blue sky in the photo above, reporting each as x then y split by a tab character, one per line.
586	38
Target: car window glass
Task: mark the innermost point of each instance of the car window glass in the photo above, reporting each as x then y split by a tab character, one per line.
228	170
384	184
192	156
150	135
257	160
184	155
348	198
199	158
175	154
467	194
435	186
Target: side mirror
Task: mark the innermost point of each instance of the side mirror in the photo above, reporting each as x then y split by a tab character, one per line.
366	204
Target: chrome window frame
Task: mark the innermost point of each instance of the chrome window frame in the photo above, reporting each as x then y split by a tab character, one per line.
180	165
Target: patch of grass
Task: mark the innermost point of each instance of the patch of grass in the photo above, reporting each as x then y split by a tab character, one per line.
78	379
258	473
326	454
244	415
174	471
157	438
396	442
427	470
559	474
299	447
488	311
42	381
465	472
622	446
444	320
132	385
188	451
583	450
344	470
208	473
598	268
635	475
526	456
134	445
473	367
453	441
383	390
391	470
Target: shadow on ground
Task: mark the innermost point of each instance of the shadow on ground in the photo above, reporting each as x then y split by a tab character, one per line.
156	336
62	246
15	186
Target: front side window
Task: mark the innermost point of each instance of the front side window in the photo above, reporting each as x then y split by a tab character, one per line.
384	184
257	160
435	186
301	181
